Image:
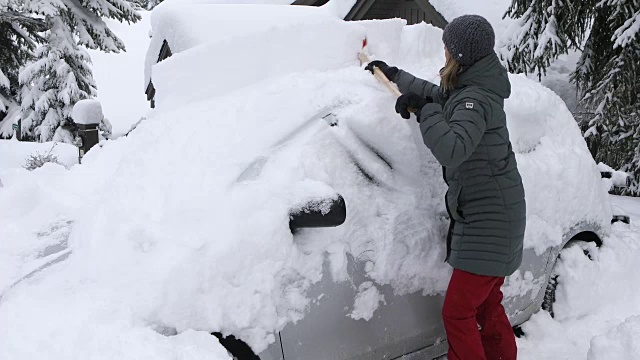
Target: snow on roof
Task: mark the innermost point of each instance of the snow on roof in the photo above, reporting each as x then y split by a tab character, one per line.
201	22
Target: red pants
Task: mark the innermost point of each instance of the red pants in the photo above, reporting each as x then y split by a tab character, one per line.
474	300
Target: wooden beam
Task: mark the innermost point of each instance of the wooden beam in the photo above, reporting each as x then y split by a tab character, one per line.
359	10
165	51
438	19
305	2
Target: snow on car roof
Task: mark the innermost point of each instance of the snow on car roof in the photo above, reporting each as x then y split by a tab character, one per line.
185	26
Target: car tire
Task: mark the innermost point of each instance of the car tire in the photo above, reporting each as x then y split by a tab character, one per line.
555	279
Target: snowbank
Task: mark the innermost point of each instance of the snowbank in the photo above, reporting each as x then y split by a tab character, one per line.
597	302
14	154
162	235
619	343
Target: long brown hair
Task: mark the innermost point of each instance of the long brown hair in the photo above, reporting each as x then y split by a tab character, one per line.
449	73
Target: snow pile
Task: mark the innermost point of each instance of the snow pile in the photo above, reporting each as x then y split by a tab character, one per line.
162	237
619	343
186	26
597	302
275	53
87	112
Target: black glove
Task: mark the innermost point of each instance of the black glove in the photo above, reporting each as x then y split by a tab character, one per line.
389	71
411	103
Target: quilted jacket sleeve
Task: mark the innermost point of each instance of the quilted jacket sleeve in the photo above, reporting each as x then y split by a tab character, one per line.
452	143
409	83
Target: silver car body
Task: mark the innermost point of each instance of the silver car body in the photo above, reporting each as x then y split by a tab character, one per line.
406	326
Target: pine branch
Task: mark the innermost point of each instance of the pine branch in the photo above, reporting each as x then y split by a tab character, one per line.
35	24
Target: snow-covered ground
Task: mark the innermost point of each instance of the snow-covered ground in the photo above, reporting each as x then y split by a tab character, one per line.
597	311
14	155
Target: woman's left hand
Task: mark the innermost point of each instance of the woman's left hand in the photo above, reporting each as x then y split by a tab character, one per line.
411	103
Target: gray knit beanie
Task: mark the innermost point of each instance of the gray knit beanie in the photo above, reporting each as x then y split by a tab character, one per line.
469	38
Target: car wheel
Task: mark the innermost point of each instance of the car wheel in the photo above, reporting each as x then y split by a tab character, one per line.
555	279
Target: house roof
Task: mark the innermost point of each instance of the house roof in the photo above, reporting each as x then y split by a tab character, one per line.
361	7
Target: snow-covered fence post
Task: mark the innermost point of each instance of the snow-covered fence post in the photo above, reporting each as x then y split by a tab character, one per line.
87	114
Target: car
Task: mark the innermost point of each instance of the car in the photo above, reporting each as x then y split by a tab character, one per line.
376	298
274	198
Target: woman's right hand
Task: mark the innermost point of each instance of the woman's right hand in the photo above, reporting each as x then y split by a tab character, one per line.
389	71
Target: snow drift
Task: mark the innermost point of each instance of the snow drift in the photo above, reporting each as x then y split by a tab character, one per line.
163	237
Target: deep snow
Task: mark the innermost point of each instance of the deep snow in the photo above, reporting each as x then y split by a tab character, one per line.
598	301
14	154
162	236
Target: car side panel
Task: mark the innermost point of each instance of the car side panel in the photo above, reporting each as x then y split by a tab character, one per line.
403	325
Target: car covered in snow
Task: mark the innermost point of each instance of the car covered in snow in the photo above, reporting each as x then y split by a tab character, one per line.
205	218
381	275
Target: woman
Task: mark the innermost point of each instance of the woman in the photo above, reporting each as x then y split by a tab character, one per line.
464	125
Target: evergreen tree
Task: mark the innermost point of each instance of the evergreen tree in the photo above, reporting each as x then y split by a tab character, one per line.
19	32
145	4
53	83
153	3
59	75
607	75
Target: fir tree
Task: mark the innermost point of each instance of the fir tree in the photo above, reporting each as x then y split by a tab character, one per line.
59	76
153	3
53	83
607	75
19	33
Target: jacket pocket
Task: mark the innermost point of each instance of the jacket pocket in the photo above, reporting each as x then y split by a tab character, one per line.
452	199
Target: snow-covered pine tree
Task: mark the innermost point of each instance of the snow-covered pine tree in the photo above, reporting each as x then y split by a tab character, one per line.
153	3
57	79
18	37
607	75
60	74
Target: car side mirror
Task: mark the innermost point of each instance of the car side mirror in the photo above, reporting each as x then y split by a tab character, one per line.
328	212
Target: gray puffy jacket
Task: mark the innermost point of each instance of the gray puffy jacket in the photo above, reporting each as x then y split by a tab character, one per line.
466	131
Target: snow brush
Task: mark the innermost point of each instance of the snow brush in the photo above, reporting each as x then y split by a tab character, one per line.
382	78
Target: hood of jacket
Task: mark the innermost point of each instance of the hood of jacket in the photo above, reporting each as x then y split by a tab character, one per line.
489	74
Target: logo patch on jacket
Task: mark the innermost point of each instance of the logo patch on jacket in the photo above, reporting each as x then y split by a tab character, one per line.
469	105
